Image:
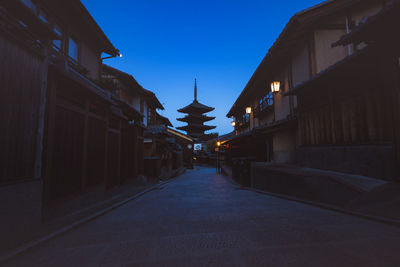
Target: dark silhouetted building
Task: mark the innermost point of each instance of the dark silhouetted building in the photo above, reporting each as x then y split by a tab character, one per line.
195	117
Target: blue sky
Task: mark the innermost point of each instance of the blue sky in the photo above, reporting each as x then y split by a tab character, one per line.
167	44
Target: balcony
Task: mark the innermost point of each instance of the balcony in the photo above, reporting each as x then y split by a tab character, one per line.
262	110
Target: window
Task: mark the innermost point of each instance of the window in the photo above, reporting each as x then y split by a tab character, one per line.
73	49
57	44
29	4
267	101
149	117
245	118
43	16
141	105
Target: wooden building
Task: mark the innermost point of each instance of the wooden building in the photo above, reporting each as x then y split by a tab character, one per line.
166	150
63	133
266	116
349	114
195	117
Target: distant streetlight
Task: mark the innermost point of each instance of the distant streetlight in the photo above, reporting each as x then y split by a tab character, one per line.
218	163
275	86
233	123
118	54
248	110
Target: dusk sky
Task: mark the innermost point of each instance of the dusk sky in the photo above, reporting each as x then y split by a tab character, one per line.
167	44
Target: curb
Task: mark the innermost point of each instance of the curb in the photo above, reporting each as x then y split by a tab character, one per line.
32	244
391	222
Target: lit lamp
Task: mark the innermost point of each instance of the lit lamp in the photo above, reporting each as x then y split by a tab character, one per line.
218	144
248	110
233	123
275	86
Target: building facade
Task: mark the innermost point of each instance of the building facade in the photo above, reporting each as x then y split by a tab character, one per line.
64	135
273	127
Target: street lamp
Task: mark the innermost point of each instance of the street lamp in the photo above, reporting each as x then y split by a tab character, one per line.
218	165
275	86
117	54
233	123
248	110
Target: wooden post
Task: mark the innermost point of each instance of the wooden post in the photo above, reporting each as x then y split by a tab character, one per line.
52	98
332	117
85	146
312	128
135	151
379	115
328	128
345	122
119	153
42	111
106	152
317	128
371	118
353	122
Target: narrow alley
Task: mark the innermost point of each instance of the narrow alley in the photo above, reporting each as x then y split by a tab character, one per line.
203	219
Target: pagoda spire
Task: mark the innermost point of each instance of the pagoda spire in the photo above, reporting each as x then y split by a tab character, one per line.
195	117
195	89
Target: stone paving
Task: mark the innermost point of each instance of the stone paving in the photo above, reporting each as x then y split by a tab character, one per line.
202	219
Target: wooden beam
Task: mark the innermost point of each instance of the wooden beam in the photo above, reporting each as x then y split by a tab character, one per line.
51	91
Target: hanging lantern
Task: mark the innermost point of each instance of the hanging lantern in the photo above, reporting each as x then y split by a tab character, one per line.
248	110
275	86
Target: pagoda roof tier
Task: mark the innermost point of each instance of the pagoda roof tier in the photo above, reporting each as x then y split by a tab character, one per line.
194	127
195	118
196	107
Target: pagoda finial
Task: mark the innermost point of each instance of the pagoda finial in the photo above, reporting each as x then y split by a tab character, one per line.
195	89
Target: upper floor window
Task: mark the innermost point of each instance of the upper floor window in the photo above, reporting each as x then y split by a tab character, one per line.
73	49
149	117
267	101
57	44
141	105
29	4
245	118
43	16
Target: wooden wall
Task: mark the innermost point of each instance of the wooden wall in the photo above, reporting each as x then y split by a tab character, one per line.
20	89
361	119
129	145
83	141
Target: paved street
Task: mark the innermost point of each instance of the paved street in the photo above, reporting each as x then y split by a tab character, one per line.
202	219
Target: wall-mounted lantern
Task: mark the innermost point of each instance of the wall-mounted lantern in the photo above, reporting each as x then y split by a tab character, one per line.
275	86
233	123
248	110
218	144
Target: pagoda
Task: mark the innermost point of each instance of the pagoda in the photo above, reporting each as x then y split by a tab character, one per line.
195	117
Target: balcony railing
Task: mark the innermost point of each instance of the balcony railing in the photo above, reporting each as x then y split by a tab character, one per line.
262	110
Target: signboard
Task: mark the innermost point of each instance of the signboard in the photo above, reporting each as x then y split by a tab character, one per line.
197	147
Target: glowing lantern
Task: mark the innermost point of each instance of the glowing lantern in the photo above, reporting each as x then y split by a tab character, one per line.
275	87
